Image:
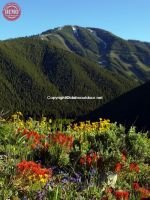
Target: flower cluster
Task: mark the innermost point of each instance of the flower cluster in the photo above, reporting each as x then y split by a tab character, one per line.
89	159
62	139
38	140
144	193
96	151
118	194
17	120
134	167
17	115
33	172
124	195
88	127
118	167
121	195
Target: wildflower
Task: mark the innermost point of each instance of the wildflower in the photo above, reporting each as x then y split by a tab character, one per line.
62	139
33	171
136	186
102	126
82	161
134	167
121	195
89	159
19	113
145	193
118	167
38	140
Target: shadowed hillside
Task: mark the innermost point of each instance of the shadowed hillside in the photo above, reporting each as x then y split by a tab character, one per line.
132	108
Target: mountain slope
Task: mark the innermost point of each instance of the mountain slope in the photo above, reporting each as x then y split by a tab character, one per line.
131	108
127	58
32	69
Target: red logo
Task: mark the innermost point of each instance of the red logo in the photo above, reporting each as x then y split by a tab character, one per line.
11	11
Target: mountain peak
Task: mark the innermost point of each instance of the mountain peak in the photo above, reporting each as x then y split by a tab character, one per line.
128	58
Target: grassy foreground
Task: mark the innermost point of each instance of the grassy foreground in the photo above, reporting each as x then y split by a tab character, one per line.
58	161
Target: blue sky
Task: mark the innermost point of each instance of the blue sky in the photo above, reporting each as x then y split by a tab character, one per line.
129	19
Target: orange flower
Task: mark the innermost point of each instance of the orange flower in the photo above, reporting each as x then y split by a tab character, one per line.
89	159
121	195
134	167
36	138
145	193
82	161
118	167
62	139
30	168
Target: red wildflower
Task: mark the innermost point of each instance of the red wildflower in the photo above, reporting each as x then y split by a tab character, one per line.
145	193
89	159
121	195
134	167
118	167
136	186
82	161
32	168
62	139
35	137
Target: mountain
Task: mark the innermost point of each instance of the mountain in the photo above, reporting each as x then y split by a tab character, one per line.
131	108
69	61
126	57
32	69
